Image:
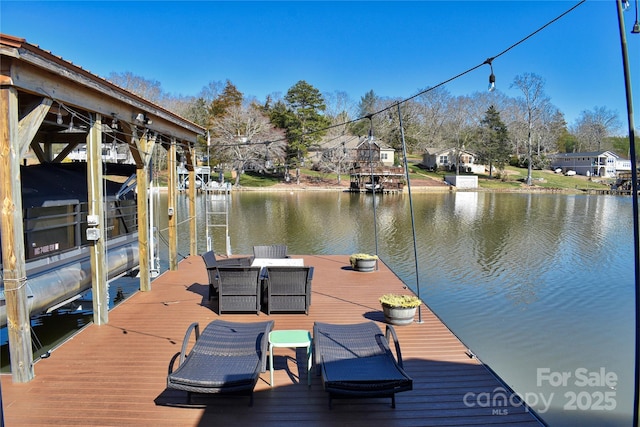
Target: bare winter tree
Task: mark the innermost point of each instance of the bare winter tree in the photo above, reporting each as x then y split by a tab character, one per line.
336	156
459	126
432	109
593	126
150	90
532	104
552	127
245	138
340	110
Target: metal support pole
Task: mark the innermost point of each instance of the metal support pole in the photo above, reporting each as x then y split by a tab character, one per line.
413	224
373	188
634	198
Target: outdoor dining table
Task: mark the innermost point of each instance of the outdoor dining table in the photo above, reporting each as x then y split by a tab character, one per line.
277	262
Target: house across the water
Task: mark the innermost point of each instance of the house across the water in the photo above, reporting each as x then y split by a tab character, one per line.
374	170
434	158
604	164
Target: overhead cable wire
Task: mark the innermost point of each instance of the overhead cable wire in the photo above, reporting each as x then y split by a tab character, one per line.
429	89
367	116
487	61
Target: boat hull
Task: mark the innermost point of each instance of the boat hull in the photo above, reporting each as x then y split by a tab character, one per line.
52	284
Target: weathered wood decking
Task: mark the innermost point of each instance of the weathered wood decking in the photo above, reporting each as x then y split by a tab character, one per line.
115	374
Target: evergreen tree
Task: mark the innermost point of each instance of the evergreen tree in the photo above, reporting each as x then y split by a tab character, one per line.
366	106
229	98
301	116
494	142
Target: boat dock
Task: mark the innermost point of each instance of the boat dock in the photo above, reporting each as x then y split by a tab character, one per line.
115	374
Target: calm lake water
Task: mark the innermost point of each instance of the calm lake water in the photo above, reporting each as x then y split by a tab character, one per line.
540	287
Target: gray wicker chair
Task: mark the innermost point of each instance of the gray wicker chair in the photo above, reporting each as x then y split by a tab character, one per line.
270	251
288	288
212	264
239	289
355	361
226	358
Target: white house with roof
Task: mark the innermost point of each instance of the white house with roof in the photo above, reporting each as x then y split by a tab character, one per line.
448	158
605	164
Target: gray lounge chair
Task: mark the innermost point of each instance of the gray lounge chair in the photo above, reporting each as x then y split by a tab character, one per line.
226	358
355	361
212	264
239	289
270	251
288	288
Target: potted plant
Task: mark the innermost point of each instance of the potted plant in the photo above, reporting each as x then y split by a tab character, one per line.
399	309
363	262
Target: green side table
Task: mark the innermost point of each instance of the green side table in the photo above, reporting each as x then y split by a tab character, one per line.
290	339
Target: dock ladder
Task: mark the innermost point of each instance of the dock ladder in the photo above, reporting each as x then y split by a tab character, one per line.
218	201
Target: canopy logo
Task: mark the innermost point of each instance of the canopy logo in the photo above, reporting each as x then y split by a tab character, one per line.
595	392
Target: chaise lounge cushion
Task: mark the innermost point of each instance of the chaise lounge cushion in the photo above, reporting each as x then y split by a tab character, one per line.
226	358
355	361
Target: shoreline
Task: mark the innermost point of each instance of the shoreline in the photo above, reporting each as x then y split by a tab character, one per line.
277	188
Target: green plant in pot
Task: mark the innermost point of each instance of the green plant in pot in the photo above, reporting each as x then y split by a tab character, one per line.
399	309
363	262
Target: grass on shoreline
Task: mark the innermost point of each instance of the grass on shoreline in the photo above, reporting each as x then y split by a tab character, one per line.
513	179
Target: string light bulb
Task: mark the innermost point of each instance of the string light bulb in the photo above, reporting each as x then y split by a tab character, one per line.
59	117
492	77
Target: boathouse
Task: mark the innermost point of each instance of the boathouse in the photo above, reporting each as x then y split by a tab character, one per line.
48	108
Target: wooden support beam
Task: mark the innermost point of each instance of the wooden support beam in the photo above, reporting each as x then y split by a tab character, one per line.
11	227
65	152
37	150
134	147
144	147
48	152
172	202
96	207
30	124
193	239
77	88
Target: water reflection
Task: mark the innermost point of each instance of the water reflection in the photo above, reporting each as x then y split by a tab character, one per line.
526	280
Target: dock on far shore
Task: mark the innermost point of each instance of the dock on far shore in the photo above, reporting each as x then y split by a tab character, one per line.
115	374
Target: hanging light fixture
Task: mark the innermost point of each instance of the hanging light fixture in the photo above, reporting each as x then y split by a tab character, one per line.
59	112
492	77
636	26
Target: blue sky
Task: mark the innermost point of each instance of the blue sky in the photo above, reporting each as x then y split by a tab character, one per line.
393	48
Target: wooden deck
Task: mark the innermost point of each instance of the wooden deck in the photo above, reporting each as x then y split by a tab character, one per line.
115	374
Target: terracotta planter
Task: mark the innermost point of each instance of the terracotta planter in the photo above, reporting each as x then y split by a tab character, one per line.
399	315
365	265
